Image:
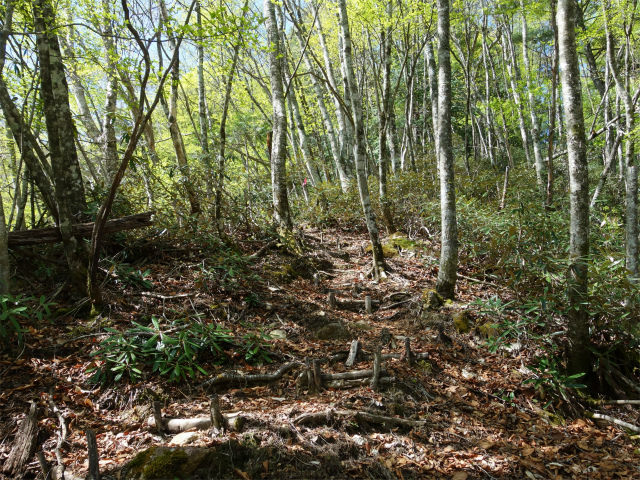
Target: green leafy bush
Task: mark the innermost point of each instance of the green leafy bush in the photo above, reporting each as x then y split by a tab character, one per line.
14	310
176	350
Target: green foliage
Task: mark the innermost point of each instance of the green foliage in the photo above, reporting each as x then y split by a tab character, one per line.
14	310
175	349
550	374
256	346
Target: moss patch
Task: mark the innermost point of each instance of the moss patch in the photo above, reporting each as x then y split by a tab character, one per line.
461	322
400	242
167	465
431	299
388	250
488	330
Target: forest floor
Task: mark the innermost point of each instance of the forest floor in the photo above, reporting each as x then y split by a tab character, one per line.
458	411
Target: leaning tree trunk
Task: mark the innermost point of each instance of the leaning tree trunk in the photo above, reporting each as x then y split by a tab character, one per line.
447	274
5	269
32	154
69	189
577	277
360	146
281	212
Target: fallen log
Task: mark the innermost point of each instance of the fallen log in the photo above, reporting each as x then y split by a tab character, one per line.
232	421
39	236
24	444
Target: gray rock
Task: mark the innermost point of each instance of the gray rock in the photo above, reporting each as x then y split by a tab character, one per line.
185	438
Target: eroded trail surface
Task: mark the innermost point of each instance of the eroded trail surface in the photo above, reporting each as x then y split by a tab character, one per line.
291	406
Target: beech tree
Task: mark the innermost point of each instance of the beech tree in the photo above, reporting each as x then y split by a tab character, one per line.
577	275
360	149
281	212
447	274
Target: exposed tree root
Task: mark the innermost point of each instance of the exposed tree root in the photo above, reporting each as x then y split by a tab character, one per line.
245	379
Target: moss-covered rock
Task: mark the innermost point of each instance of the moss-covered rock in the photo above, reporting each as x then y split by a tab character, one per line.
165	462
333	331
388	250
461	322
431	299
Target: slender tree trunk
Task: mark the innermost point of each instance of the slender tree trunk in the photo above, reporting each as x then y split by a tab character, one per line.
312	172
535	125
447	275
171	111
223	144
360	147
108	137
383	118
578	333
487	86
5	268
433	92
554	95
338	159
392	140
79	92
343	124
631	169
281	212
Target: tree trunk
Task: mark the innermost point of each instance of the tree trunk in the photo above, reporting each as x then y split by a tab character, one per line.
383	118
69	189
312	171
108	137
433	92
5	267
631	169
338	159
535	125
281	212
447	274
577	278
170	111
223	144
360	147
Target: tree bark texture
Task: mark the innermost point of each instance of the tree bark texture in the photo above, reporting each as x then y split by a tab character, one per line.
577	277
281	212
360	145
447	274
69	187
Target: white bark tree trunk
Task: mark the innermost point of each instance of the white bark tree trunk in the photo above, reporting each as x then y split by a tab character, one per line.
281	212
577	278
360	146
447	275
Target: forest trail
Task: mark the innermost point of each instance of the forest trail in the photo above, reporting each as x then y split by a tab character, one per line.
457	411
